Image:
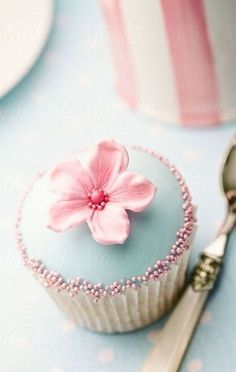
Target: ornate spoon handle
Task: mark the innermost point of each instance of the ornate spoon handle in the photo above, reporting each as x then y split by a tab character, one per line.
167	354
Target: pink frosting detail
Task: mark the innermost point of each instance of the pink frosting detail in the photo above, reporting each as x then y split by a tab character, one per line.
111	225
97	196
133	191
99	193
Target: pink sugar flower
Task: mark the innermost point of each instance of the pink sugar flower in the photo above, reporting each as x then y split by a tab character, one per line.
99	193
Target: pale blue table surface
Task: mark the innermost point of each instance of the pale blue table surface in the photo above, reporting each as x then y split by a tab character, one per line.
67	101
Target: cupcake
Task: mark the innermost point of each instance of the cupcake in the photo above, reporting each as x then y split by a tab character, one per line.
107	232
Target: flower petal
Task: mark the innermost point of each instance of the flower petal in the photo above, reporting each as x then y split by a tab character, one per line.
68	213
132	191
70	178
110	225
107	160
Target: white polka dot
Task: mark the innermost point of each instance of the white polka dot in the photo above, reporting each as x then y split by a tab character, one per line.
195	365
51	58
40	98
84	81
191	155
105	356
76	122
20	343
95	43
6	223
154	335
68	326
63	21
156	130
31	136
206	317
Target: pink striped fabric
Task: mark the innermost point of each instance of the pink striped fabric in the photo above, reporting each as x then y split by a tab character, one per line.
191	54
121	52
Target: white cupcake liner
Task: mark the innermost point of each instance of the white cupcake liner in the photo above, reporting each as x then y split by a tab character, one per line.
129	311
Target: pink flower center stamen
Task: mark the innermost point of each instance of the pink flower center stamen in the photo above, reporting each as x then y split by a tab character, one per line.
97	199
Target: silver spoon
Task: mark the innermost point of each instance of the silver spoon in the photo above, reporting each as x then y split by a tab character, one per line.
168	352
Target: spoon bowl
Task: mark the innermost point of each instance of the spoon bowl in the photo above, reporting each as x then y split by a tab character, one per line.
229	175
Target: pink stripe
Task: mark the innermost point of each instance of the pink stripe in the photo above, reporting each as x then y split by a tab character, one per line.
121	51
192	58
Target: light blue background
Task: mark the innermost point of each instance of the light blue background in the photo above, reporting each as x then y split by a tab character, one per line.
67	101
